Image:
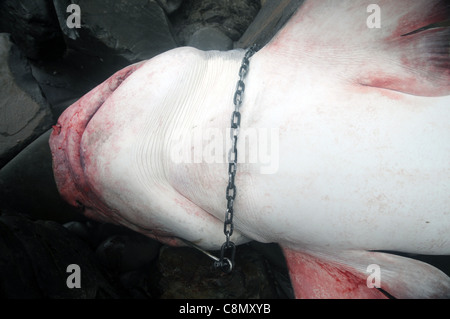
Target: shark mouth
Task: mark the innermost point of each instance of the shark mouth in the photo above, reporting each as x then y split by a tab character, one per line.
68	161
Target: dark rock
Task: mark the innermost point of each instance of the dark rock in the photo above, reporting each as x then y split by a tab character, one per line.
210	39
134	30
102	231
270	19
80	229
27	185
139	284
33	26
123	253
112	35
277	266
66	80
95	233
187	273
16	270
35	258
230	17
170	5
24	112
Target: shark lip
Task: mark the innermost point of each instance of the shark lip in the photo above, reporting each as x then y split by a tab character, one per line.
65	141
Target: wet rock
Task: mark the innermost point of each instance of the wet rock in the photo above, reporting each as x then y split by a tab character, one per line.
139	284
117	248
232	17
35	258
27	185
79	229
112	36
277	267
66	80
270	19
134	30
210	39
126	267
34	28
24	112
16	270
123	253
170	6
186	273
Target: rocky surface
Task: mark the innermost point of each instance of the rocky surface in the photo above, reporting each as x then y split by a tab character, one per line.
24	111
209	38
115	262
133	30
231	17
34	27
170	6
34	259
190	274
270	19
27	185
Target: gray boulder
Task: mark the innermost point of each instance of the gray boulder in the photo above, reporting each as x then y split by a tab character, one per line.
134	30
170	5
24	111
209	38
186	273
231	17
27	185
34	28
270	19
35	258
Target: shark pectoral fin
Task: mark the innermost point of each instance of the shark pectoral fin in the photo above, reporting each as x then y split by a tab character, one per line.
363	274
315	277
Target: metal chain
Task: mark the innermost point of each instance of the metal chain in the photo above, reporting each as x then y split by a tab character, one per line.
229	248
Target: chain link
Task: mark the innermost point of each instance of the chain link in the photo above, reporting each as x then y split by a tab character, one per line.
229	248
